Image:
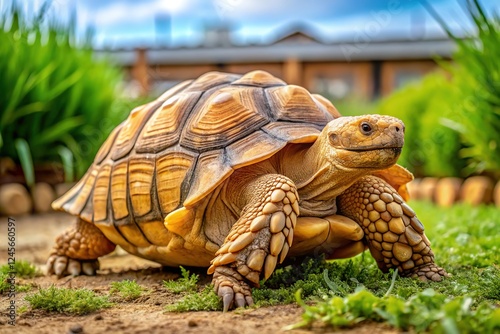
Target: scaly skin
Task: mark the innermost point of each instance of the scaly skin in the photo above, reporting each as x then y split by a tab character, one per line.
77	249
258	241
395	236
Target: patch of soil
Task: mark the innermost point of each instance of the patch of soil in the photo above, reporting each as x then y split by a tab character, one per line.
34	239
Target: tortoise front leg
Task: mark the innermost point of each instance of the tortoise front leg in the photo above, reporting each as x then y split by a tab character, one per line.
77	249
259	239
395	235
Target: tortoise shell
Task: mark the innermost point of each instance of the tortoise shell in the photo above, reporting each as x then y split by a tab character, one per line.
173	152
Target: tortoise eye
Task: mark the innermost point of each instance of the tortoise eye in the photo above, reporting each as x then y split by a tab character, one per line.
366	128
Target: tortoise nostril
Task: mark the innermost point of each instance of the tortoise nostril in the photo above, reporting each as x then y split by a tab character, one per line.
397	127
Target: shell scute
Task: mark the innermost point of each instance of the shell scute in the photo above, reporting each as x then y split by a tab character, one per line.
210	80
163	128
228	115
171	170
140	179
296	104
119	191
126	139
260	79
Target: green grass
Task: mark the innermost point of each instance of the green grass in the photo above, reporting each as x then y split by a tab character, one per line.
22	269
466	242
205	300
185	283
69	301
62	99
193	300
127	290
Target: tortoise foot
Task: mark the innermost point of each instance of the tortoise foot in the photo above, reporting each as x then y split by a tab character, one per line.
62	265
427	272
76	250
231	287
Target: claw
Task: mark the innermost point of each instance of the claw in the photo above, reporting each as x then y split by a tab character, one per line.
74	267
227	295
50	264
240	300
60	265
249	300
88	268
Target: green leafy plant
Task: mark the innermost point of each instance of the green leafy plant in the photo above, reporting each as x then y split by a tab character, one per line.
476	77
424	311
127	289
64	300
205	300
187	282
431	148
57	105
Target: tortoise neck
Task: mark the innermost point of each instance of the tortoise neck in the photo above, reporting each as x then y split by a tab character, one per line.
316	178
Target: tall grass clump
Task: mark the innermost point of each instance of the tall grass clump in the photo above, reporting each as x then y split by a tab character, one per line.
56	101
477	79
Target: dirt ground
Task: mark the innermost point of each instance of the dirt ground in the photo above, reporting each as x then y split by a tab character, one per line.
34	239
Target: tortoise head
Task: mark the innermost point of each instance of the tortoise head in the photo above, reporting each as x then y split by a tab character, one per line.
368	142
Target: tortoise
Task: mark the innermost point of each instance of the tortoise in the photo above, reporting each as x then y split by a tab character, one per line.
238	172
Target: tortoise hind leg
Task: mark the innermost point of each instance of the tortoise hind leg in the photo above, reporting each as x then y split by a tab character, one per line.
395	236
77	249
259	239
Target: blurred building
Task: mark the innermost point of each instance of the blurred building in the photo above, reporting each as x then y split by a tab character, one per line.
361	68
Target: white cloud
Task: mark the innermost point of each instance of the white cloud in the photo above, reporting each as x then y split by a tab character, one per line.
123	13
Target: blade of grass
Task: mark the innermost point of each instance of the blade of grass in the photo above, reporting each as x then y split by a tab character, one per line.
24	154
67	161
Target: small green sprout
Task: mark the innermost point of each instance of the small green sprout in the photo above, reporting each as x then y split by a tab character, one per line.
186	283
70	301
127	289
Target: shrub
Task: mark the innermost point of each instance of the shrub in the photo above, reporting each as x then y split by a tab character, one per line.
56	100
431	148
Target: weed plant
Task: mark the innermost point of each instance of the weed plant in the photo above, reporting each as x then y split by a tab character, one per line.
127	290
69	301
187	282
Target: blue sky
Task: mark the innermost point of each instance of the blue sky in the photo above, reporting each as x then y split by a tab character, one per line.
131	23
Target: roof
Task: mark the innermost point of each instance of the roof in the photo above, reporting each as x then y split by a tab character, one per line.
277	52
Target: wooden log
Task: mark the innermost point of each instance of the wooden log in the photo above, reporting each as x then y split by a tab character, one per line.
15	200
43	195
477	190
427	188
447	191
413	189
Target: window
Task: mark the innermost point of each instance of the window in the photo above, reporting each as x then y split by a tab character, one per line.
402	77
339	87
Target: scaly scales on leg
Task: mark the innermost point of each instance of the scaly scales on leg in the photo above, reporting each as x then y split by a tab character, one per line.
258	240
395	236
76	250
